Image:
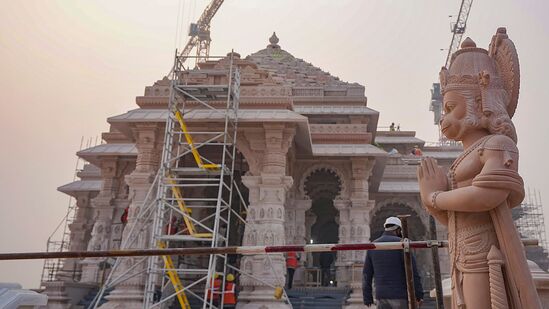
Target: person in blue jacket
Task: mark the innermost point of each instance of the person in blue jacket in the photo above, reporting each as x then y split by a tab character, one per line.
386	268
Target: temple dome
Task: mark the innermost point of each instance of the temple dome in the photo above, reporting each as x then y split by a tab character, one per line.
286	69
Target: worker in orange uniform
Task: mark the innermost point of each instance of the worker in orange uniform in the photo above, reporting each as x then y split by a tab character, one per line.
214	290
416	151
171	227
291	265
124	217
229	297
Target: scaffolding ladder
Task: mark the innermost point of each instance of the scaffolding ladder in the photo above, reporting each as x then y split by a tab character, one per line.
190	202
196	185
60	239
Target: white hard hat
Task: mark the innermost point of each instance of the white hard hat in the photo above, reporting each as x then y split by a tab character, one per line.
392	221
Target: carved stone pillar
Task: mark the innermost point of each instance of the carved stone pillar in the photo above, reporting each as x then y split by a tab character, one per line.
149	139
67	278
310	220
80	235
268	186
359	215
296	231
103	215
344	258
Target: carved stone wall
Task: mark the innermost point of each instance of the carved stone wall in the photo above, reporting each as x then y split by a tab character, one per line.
80	230
149	140
340	133
103	208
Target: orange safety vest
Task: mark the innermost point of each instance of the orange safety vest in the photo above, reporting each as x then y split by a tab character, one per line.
229	298
124	217
214	289
291	260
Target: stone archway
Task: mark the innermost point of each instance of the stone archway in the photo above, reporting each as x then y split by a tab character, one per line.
395	207
417	228
322	168
322	186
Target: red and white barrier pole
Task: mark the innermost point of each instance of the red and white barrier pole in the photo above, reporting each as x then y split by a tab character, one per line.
244	250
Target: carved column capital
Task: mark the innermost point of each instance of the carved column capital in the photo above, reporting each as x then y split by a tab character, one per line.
361	171
278	139
341	204
362	167
149	138
266	148
303	205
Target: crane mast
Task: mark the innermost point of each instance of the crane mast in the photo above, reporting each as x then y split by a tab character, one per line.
199	34
457	29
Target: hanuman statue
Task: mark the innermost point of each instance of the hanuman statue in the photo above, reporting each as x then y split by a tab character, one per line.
489	268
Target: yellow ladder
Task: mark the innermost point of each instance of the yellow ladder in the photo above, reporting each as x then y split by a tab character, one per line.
174	278
188	137
176	191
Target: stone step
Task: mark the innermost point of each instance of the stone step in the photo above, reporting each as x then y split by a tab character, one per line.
86	301
321	297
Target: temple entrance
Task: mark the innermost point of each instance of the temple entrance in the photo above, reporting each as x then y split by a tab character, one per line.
416	229
326	228
325	231
322	221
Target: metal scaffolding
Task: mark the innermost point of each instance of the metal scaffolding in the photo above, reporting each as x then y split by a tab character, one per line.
529	218
205	189
191	202
60	239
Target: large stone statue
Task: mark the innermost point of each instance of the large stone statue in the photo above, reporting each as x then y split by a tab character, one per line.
474	200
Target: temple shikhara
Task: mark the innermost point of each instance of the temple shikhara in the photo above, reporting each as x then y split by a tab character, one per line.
309	162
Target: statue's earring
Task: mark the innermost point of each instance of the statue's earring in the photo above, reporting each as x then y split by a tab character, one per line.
485	119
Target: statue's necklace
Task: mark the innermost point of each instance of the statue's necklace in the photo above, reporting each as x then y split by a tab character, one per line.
453	168
452	176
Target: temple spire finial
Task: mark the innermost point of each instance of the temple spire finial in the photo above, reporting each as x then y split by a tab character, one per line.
274	41
468	43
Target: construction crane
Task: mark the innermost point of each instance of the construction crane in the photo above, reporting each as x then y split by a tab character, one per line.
199	34
457	29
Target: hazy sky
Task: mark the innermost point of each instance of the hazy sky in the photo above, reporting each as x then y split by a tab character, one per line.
65	66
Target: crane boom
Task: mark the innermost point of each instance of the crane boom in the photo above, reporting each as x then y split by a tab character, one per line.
209	12
458	29
199	33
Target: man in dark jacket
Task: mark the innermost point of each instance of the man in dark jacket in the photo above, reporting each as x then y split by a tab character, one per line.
386	267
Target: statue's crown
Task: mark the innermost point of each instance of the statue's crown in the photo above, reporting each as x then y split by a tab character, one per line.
469	67
474	68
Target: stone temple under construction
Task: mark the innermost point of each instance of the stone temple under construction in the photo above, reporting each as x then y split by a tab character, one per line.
309	161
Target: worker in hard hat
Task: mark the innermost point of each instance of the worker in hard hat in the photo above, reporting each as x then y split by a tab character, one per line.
214	290
229	295
386	267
